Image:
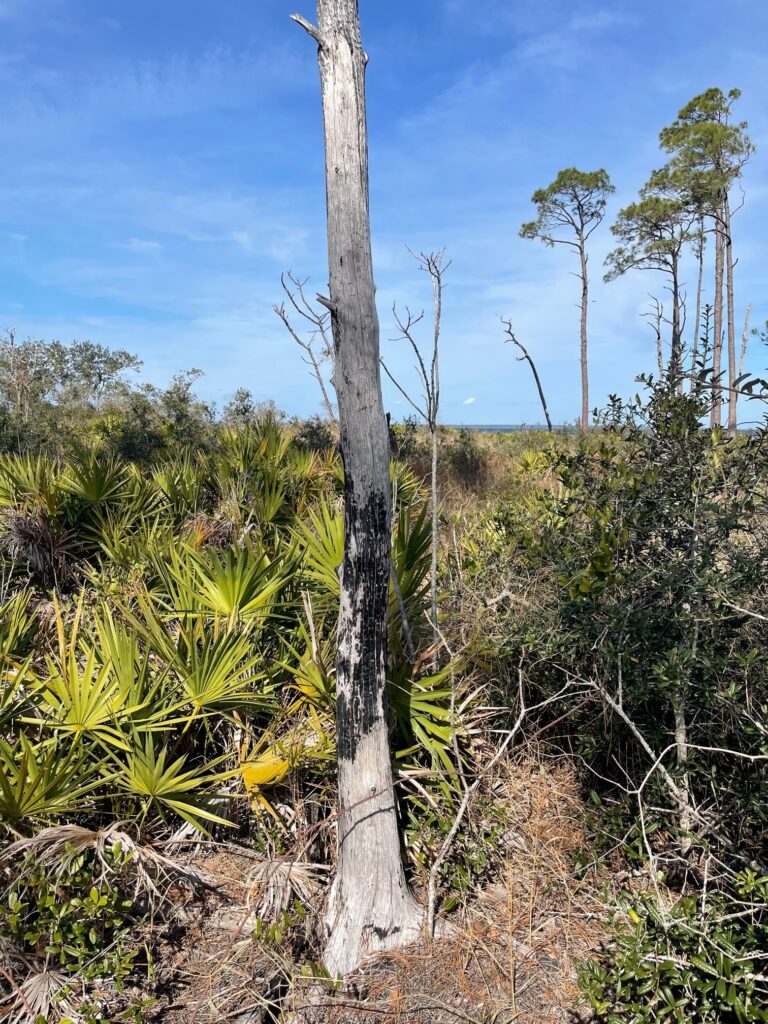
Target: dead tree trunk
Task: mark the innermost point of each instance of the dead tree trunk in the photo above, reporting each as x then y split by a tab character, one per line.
730	316
744	339
537	380
370	906
699	288
676	357
584	308
742	358
717	326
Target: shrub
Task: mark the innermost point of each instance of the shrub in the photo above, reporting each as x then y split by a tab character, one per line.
315	435
466	459
70	922
702	960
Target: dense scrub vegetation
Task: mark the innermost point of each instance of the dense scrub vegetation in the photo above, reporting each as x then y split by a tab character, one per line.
167	641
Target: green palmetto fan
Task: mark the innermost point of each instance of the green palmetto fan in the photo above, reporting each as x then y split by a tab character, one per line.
310	664
238	582
40	782
406	486
183	484
321	540
209	669
87	697
273	441
128	538
411	555
33	482
18	625
95	478
421	709
162	785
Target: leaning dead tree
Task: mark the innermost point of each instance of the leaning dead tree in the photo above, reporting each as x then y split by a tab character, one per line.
370	907
317	346
526	357
435	266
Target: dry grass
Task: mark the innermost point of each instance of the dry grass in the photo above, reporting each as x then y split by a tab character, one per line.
508	954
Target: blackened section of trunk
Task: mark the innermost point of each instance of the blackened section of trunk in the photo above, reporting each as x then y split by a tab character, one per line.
360	706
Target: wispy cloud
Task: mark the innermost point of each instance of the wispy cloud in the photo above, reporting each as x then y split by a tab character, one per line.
139	245
469	401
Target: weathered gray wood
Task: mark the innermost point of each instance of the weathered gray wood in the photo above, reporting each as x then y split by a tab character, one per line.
584	359
717	340
730	318
371	908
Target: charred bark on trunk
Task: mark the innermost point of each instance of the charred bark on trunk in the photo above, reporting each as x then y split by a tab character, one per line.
370	908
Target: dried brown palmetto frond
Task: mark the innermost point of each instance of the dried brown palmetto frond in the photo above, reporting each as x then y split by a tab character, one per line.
274	884
50	550
37	995
58	845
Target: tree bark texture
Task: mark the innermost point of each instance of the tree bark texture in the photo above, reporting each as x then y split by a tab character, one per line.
697	322
370	908
717	326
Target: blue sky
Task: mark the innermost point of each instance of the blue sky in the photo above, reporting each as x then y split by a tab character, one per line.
163	164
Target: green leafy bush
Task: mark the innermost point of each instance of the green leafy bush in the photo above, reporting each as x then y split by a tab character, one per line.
702	960
69	923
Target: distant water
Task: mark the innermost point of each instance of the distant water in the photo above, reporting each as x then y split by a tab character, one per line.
507	428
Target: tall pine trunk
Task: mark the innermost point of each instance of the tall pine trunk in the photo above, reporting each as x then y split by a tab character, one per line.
730	317
717	323
370	908
584	308
697	322
677	341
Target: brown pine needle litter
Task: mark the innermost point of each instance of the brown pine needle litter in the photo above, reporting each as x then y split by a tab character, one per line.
507	954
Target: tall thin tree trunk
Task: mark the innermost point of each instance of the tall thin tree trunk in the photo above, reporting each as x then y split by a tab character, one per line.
675	363
697	322
681	748
717	325
744	339
370	908
584	308
433	569
742	357
732	368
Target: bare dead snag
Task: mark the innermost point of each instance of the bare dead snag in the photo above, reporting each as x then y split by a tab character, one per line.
370	907
730	318
655	320
527	358
745	339
319	330
435	266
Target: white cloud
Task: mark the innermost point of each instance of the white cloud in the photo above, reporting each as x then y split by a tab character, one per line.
139	245
469	401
